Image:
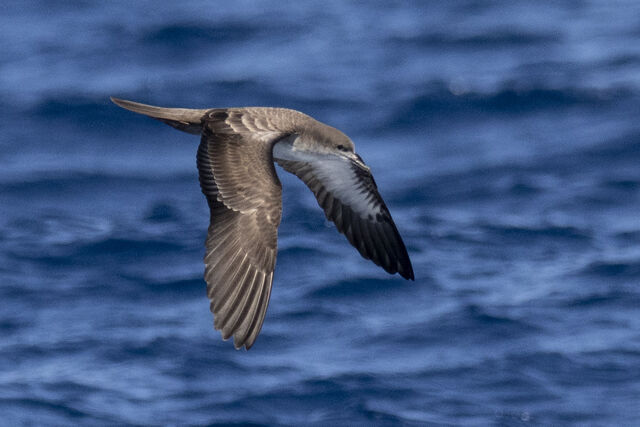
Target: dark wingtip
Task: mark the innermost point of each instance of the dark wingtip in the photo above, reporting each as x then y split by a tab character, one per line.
407	273
405	269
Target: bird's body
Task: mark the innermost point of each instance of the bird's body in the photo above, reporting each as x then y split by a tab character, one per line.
237	175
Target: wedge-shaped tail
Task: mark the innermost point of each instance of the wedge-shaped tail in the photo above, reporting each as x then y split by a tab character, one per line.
184	119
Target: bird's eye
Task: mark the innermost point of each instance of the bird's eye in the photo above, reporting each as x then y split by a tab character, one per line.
342	148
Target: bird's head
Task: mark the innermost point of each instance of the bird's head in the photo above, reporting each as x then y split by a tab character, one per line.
344	147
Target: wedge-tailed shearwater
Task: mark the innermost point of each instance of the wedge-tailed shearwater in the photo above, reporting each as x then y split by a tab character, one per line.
235	161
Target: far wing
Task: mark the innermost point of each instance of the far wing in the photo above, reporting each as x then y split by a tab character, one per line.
349	197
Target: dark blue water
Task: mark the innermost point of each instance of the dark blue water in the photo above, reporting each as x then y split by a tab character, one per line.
504	136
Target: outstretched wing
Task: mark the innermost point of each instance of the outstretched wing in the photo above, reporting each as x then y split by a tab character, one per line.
238	177
348	194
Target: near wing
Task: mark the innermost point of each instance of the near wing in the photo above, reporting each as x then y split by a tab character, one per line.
238	177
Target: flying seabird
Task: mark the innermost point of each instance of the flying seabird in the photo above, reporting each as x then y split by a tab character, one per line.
235	161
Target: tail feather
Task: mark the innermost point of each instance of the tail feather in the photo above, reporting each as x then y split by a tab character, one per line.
184	119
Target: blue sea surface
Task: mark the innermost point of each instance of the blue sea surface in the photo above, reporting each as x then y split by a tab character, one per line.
503	135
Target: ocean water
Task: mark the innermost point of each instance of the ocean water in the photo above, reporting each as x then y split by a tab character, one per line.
504	137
